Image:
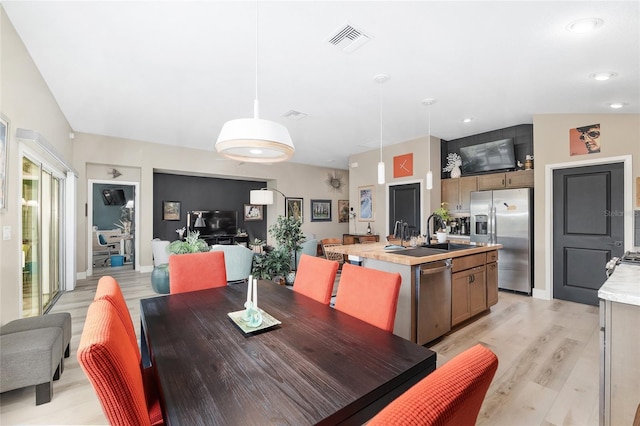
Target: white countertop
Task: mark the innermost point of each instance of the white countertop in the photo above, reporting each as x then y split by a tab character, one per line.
623	285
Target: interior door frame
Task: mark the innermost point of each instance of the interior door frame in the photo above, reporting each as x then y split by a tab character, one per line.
387	207
547	293
136	215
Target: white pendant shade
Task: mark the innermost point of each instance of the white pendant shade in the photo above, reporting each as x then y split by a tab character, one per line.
255	140
261	196
381	173
429	180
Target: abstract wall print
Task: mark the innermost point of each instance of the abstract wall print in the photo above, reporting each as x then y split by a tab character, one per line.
365	195
584	140
343	211
252	212
294	208
320	210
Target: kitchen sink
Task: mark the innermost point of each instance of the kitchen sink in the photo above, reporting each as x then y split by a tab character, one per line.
447	246
419	251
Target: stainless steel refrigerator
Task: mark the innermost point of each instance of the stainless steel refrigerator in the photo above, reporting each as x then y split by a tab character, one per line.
506	217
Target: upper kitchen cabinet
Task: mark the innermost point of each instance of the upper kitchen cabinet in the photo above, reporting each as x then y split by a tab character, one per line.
518	179
456	193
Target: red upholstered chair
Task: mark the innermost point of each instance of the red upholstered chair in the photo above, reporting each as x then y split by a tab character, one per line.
369	294
109	290
451	395
196	271
315	278
111	365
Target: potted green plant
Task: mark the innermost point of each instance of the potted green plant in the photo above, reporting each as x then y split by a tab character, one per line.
274	264
443	216
288	235
191	244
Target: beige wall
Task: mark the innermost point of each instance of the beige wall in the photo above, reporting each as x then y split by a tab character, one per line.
620	137
366	173
94	155
27	102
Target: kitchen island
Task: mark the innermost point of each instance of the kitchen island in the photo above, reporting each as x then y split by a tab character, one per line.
620	346
440	288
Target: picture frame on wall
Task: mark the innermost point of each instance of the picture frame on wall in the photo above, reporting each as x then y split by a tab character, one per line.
366	199
4	161
343	211
320	210
252	212
171	210
293	207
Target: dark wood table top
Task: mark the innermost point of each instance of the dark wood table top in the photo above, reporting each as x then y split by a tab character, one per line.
320	366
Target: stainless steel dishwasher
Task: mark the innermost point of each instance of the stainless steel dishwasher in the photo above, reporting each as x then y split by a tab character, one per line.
433	300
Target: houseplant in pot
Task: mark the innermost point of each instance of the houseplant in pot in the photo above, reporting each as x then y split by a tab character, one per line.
272	264
442	215
191	244
288	236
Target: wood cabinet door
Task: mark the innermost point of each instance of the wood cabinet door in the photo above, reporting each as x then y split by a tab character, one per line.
477	291
521	179
492	283
467	185
492	181
459	297
449	193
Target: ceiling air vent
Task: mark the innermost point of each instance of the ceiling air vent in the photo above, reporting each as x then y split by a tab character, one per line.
294	115
348	38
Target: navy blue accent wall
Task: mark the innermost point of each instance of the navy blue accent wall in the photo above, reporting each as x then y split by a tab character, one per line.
203	193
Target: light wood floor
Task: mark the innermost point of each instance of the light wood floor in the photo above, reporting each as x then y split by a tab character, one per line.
548	353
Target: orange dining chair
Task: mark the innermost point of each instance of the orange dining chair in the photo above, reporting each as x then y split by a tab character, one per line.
315	278
110	363
451	395
369	294
108	289
196	271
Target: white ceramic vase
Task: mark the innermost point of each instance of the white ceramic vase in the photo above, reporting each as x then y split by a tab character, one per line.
455	172
442	237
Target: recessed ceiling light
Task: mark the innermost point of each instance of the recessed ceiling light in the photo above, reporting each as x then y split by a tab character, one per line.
467	120
616	105
585	25
602	76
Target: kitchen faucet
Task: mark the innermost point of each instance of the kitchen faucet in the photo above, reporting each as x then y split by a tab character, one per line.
428	229
403	227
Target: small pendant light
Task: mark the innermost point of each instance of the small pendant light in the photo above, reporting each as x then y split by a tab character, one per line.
380	79
429	179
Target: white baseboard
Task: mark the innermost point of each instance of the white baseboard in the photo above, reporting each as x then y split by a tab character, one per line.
146	268
541	294
81	275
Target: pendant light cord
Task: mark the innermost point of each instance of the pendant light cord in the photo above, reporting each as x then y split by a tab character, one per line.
256	108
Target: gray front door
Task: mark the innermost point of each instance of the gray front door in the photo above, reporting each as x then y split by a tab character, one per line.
588	228
404	204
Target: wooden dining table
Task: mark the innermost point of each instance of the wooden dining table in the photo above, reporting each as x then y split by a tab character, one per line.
319	366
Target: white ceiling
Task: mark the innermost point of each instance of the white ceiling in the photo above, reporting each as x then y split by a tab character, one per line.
175	72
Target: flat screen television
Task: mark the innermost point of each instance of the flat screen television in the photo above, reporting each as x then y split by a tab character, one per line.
216	222
114	197
488	157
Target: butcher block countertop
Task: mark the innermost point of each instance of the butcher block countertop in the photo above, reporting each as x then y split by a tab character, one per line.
379	252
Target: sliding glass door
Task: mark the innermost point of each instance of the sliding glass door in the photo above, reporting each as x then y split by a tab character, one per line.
41	233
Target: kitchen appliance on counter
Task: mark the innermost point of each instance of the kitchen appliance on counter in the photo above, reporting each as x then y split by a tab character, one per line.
506	217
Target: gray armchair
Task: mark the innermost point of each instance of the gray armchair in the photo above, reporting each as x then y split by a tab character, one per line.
238	261
309	247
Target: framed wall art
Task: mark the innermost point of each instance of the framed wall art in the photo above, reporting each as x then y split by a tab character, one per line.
171	210
252	212
366	197
584	140
4	160
343	211
294	208
320	210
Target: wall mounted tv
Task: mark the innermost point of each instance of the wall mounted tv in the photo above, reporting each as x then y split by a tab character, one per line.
216	222
488	157
114	197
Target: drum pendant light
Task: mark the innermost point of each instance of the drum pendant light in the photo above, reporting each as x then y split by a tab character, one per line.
254	139
429	178
380	79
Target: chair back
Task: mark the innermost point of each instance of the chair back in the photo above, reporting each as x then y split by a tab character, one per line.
196	271
309	247
238	261
369	294
159	250
315	278
327	243
108	289
110	363
451	395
